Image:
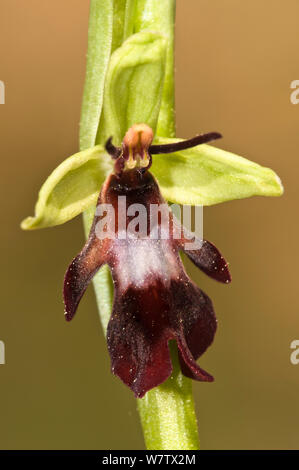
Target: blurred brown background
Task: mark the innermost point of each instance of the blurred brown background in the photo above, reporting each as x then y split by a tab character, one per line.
234	65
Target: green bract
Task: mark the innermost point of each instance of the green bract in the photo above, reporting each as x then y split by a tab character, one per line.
71	188
206	175
157	15
134	85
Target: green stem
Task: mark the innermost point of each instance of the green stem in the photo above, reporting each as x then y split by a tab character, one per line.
167	412
100	34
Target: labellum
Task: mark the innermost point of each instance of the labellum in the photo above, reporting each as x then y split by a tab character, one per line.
154	299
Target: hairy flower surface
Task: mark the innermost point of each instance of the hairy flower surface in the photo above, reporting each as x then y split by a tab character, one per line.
154	299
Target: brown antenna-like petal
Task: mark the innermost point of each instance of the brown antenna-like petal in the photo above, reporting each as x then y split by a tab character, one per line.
113	151
184	144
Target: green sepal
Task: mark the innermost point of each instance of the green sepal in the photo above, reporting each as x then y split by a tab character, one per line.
70	189
207	175
204	175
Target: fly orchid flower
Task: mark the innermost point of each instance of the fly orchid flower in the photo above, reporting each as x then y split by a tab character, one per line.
154	299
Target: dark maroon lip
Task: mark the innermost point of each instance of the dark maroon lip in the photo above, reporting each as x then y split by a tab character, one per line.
154	300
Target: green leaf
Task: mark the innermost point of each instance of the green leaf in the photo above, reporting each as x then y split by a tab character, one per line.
206	175
98	55
134	85
72	187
